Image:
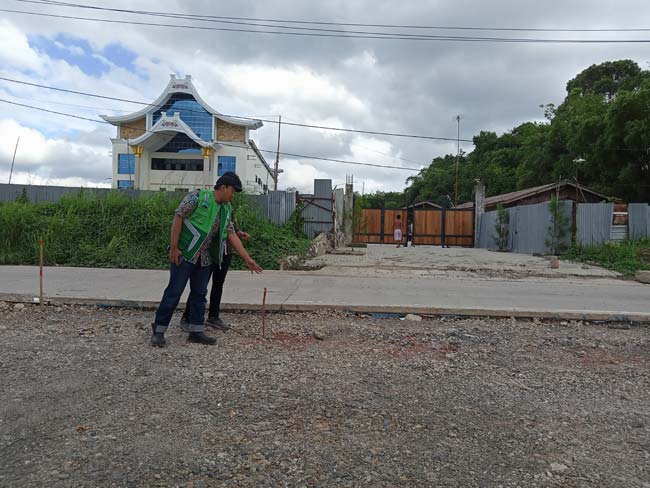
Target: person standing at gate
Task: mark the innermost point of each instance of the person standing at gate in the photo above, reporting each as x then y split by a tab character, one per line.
397	229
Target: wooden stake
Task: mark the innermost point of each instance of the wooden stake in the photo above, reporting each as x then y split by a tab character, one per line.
264	315
40	252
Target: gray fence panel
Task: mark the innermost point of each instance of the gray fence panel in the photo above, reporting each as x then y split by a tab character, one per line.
531	227
43	193
487	230
594	223
276	206
639	215
318	215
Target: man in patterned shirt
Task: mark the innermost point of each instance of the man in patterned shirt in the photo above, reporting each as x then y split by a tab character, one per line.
200	230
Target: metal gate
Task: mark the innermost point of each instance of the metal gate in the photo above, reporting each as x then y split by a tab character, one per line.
375	226
453	227
448	227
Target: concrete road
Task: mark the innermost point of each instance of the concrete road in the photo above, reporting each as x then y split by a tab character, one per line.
591	299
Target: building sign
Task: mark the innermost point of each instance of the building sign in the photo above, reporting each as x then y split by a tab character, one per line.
180	86
169	123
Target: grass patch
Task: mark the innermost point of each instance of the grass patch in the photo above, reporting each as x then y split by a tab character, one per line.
626	257
117	231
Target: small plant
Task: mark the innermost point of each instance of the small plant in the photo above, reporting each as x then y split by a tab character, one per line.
22	198
502	227
359	221
296	223
557	229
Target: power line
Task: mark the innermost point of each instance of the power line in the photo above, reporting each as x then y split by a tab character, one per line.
317	158
344	24
270	121
384	36
67	104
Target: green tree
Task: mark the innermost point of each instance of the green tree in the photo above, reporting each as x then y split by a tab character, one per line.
557	229
502	227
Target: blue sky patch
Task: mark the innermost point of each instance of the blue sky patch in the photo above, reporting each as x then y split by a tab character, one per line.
78	52
120	56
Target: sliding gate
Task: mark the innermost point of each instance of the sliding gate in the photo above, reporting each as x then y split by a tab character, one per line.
452	227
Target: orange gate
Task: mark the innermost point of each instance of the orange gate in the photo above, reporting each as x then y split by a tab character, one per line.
452	227
375	226
447	227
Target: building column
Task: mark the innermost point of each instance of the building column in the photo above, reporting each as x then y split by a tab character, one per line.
137	150
207	179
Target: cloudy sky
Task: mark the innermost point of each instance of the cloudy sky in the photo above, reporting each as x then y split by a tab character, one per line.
405	86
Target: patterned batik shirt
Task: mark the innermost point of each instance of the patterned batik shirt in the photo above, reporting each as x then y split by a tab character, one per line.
185	209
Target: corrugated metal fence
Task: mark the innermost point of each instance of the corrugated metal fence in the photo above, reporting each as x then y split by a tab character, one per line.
639	218
42	193
529	228
318	209
529	225
276	206
594	223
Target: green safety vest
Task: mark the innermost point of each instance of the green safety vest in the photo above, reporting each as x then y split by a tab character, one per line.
197	226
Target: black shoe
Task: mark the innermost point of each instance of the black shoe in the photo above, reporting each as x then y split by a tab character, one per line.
201	338
217	323
157	338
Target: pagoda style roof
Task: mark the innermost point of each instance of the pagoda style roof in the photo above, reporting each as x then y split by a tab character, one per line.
179	85
164	131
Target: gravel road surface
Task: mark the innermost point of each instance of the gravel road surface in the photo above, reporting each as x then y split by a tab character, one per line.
327	399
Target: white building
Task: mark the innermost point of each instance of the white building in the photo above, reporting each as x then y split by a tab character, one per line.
179	142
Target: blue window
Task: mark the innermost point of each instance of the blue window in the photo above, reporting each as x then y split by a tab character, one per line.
125	183
181	143
126	164
226	163
190	111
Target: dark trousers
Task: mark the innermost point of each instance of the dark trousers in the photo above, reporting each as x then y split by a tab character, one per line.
198	277
218	279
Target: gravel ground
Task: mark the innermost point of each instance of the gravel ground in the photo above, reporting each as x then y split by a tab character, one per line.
329	399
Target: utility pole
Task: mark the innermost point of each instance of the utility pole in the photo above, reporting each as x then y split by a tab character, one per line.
277	156
457	158
13	159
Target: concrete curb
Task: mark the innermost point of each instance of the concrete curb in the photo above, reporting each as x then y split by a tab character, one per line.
585	315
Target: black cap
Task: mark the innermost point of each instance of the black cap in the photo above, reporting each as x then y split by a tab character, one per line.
229	178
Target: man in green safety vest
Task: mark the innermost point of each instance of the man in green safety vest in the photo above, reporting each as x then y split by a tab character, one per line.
200	229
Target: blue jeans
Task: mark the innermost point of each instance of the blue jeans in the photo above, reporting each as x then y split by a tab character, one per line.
218	279
198	276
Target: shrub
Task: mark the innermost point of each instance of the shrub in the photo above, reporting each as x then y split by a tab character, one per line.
121	232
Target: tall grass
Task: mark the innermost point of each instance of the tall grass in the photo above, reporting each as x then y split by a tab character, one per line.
121	232
626	257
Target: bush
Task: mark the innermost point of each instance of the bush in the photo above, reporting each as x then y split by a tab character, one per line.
502	228
120	232
626	257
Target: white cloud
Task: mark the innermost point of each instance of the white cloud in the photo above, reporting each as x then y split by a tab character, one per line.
40	158
296	84
411	87
15	50
76	50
